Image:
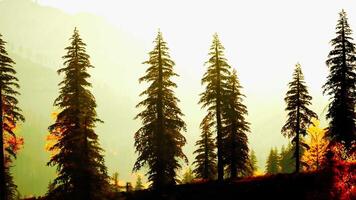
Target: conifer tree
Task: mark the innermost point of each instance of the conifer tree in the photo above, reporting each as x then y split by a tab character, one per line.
287	159
82	174
299	115
115	179
272	162
188	176
341	85
10	115
215	79
159	141
235	127
139	184
205	159
252	164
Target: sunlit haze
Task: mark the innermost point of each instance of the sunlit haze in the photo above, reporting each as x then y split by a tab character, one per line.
263	41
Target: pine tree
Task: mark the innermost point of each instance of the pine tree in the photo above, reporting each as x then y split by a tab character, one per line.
287	159
11	190
10	115
205	159
299	115
115	179
215	79
272	162
341	86
159	141
82	174
252	164
188	176
235	151
139	184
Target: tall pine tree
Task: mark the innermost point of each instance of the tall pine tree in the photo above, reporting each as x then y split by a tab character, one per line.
82	174
235	128
205	159
10	115
215	79
341	86
159	141
299	115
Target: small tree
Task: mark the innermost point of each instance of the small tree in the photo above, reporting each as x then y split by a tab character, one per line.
272	162
115	179
287	159
252	164
315	156
205	159
139	184
188	176
299	115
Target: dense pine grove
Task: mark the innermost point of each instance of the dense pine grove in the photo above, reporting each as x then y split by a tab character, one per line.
81	173
159	141
299	115
341	86
318	163
9	117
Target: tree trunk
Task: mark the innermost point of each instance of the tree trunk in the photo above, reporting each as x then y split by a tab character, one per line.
218	122
160	129
297	158
206	157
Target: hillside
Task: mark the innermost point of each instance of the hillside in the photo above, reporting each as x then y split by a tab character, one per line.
326	184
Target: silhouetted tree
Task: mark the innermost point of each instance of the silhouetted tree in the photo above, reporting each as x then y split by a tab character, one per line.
11	190
215	79
205	159
287	159
251	164
159	141
299	115
235	148
341	85
139	184
82	174
115	179
10	115
188	176
272	162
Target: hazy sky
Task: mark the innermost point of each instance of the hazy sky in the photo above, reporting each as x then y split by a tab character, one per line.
263	40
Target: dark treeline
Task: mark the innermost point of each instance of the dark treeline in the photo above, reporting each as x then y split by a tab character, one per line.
222	150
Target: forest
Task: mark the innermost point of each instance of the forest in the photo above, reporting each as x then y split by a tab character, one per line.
318	162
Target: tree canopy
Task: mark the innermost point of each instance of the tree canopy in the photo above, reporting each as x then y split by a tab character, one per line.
159	141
